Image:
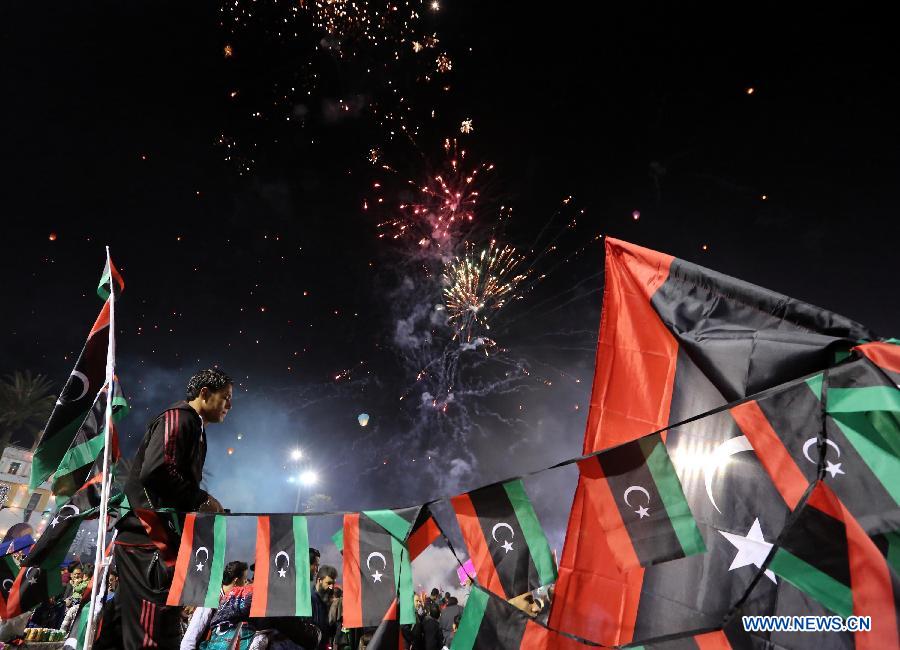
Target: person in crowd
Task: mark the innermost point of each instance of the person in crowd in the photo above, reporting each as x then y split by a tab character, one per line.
451	611
448	640
426	635
78	582
314	559
234	576
321	601
166	473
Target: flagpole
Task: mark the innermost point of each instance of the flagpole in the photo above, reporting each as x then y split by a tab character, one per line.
100	559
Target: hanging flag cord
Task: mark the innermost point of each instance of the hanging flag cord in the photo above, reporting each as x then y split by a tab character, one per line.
101	562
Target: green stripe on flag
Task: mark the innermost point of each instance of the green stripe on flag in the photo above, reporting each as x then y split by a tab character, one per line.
867	398
534	534
470	623
403	582
391	522
338	539
815	385
47	456
832	594
674	501
874	448
84	454
301	561
218	563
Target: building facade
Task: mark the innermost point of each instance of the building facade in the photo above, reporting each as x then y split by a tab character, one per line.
17	504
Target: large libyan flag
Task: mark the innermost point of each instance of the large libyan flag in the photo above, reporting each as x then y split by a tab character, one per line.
677	340
74	402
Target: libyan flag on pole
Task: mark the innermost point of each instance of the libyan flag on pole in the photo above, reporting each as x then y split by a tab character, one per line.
643	510
281	578
505	539
74	403
201	561
75	467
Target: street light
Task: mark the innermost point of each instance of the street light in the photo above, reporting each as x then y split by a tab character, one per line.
308	478
296	454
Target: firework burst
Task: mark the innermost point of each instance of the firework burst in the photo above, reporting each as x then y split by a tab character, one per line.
477	285
443	207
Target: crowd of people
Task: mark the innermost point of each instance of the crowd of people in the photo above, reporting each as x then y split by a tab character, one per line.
132	612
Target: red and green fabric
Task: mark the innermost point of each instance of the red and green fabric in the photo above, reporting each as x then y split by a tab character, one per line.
843	423
504	538
281	578
643	509
490	623
376	570
74	402
677	340
8	572
201	561
39	578
716	640
110	275
75	465
825	553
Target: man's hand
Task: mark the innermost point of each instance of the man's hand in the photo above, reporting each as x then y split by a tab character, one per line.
211	505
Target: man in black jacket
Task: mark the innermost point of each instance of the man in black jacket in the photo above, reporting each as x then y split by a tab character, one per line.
167	472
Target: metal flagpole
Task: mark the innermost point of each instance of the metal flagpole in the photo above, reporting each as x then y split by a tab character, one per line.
100	559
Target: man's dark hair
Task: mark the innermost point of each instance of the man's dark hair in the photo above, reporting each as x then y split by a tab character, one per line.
453	601
326	571
447	595
233	571
314	555
435	592
434	611
211	378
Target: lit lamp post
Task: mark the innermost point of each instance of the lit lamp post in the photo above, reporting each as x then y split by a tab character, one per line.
304	478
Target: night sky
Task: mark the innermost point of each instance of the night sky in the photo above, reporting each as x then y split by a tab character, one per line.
760	143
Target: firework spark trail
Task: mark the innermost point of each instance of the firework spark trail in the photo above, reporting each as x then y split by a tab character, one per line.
477	285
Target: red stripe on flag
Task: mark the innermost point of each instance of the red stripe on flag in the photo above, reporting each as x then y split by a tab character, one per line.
261	573
886	355
771	452
636	354
631	396
870	581
114	272
352	586
477	545
712	641
537	637
102	320
14	604
423	538
183	562
612	524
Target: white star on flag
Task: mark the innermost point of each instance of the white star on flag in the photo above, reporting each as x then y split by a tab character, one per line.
642	512
752	549
282	573
200	567
377	576
507	546
833	468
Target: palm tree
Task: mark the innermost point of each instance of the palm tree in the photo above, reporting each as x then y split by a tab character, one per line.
25	403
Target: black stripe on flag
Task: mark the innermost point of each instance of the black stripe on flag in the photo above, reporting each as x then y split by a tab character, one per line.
377	567
281	543
638	501
515	568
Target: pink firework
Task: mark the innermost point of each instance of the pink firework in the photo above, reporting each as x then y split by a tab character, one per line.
443	207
